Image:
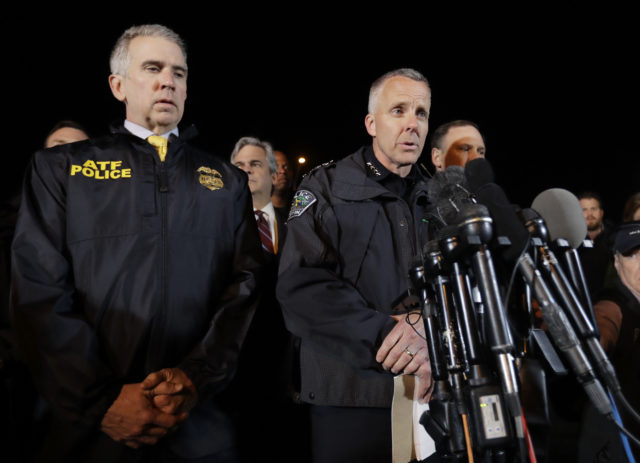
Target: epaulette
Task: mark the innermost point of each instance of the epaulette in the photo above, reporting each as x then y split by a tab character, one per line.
319	166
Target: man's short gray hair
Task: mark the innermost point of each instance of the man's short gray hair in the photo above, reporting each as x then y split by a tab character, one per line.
120	58
374	92
265	145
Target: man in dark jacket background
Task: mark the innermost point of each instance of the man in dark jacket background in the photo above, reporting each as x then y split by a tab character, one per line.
354	229
134	275
617	312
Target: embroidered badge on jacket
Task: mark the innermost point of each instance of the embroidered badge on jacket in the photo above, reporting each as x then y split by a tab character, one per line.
210	178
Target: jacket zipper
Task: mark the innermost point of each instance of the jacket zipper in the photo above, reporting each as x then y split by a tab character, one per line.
163	188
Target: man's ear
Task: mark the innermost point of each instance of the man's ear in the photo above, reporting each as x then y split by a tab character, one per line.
370	124
437	158
117	87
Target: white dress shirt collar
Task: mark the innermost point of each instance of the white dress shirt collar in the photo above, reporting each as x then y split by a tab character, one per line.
145	133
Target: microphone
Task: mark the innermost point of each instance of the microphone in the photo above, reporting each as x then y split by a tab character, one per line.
448	412
471	391
475	229
562	212
567	228
480	180
478	172
508	224
448	192
471	236
452	348
452	250
563	215
482	391
539	231
420	281
536	226
564	336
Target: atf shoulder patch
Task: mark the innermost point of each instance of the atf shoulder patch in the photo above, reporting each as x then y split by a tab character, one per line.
302	200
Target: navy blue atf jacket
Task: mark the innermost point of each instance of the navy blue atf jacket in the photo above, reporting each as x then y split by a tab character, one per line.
350	245
123	265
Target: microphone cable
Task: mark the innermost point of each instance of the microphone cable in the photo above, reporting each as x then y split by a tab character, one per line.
413	324
623	436
627	406
627	434
530	449
467	437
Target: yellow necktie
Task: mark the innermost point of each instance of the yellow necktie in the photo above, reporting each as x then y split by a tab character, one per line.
161	145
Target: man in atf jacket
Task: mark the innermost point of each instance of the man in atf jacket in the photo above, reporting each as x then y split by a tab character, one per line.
354	230
134	283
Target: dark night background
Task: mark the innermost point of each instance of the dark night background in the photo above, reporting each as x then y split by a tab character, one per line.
554	94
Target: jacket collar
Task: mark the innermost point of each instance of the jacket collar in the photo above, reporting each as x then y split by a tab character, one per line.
351	181
185	134
175	143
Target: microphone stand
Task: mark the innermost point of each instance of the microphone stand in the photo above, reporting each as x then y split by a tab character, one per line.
475	229
570	301
557	324
571	263
449	405
603	366
492	430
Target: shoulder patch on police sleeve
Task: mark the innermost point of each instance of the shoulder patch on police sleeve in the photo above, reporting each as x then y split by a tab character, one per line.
302	200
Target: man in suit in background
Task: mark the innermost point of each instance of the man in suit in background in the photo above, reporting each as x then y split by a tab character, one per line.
267	339
258	160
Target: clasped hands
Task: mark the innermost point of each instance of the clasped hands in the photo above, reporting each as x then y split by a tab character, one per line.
145	412
404	349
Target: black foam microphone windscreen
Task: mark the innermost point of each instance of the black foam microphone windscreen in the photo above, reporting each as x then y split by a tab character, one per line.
480	180
478	172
